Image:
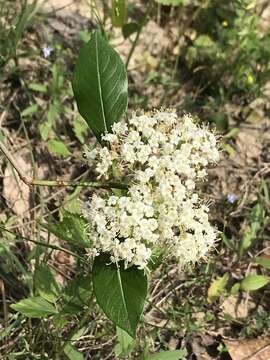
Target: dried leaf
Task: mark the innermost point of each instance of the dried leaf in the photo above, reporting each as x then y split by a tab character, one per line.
256	349
236	307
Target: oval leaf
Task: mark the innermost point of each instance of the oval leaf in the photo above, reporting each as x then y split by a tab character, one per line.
120	293
34	307
100	85
217	287
254	282
58	148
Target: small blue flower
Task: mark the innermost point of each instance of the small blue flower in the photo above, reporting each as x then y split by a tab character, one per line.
231	198
47	51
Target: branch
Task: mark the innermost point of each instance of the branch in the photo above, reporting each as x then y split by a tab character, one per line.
36	182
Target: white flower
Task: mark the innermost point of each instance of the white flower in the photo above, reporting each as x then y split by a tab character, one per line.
163	157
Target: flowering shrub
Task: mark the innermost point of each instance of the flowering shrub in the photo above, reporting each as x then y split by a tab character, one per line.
150	166
162	157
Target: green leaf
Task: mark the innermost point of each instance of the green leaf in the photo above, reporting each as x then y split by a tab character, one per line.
58	148
129	29
232	133
235	289
45	284
47	126
44	130
72	203
85	36
204	41
100	85
257	218
72	353
118	12
120	293
168	355
30	110
125	343
263	261
254	282
77	295
80	128
217	287
71	229
170	2
24	18
36	252
229	149
38	87
34	307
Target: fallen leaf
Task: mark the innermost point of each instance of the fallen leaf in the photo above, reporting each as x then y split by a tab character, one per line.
236	307
256	349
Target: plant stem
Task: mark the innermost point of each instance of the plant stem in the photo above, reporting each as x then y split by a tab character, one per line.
58	183
144	21
74	183
133	45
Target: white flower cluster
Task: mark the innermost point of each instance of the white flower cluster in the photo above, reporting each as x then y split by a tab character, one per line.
162	157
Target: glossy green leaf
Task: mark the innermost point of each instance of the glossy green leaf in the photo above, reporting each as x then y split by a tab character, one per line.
120	293
45	284
58	148
168	355
100	85
34	307
118	12
263	261
71	229
254	282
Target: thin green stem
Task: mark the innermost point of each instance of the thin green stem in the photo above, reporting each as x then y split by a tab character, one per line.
144	21
133	45
74	183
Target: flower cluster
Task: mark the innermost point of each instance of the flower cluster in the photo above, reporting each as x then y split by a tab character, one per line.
162	157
